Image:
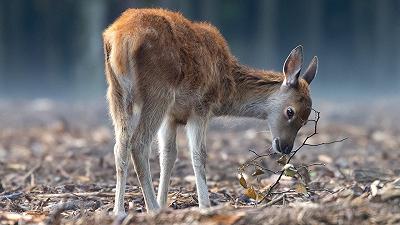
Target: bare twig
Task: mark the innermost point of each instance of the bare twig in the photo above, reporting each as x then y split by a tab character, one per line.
261	156
57	209
262	168
252	162
31	171
276	200
312	164
72	205
272	187
326	143
84	194
317	117
11	196
282	172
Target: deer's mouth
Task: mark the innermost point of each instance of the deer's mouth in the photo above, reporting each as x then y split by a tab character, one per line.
280	147
276	146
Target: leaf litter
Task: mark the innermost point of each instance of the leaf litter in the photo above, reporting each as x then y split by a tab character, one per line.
56	167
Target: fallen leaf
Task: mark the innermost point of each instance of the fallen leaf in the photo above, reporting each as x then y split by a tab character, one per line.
251	193
301	188
305	175
242	181
257	172
283	160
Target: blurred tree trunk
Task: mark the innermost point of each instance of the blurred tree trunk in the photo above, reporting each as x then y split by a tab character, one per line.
11	43
89	72
364	44
267	41
313	24
386	44
2	49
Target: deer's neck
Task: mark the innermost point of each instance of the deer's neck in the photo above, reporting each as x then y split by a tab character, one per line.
253	94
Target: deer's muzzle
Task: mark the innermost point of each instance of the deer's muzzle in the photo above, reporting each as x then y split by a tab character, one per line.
281	146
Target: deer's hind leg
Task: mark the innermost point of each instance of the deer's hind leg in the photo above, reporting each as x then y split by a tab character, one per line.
168	153
196	131
120	98
153	109
137	139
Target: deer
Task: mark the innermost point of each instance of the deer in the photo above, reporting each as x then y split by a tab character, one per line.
168	71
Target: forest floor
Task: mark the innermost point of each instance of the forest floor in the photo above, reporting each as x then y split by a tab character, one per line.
57	166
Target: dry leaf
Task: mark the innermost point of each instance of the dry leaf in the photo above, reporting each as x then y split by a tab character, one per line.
283	160
258	172
251	193
301	188
305	175
242	181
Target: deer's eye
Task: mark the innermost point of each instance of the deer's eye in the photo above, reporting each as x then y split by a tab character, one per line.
290	112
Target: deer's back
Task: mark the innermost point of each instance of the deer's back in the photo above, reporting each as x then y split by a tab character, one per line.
167	49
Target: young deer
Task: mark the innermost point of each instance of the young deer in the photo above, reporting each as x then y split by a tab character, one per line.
172	72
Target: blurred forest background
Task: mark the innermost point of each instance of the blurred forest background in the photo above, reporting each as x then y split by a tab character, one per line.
53	49
56	138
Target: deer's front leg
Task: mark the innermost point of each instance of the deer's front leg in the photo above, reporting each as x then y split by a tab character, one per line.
196	132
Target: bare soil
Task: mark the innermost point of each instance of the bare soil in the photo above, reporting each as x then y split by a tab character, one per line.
57	166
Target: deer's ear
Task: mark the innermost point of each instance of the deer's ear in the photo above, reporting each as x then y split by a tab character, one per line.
311	70
292	66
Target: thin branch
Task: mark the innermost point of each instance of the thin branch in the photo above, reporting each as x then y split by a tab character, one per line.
304	143
83	194
57	209
263	168
276	200
326	143
249	162
312	164
310	190
317	117
255	153
271	187
261	156
31	171
11	196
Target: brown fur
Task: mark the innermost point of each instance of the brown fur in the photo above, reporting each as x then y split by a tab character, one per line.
190	57
175	71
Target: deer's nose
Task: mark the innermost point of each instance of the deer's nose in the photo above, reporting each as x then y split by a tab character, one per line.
282	146
286	148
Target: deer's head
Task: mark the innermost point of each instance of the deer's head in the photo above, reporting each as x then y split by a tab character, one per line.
291	105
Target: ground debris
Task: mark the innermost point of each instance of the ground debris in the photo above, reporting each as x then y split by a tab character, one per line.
55	168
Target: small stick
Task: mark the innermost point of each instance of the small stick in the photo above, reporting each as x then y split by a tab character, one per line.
11	196
272	187
326	143
84	194
72	205
31	171
312	164
263	168
276	200
54	215
304	143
